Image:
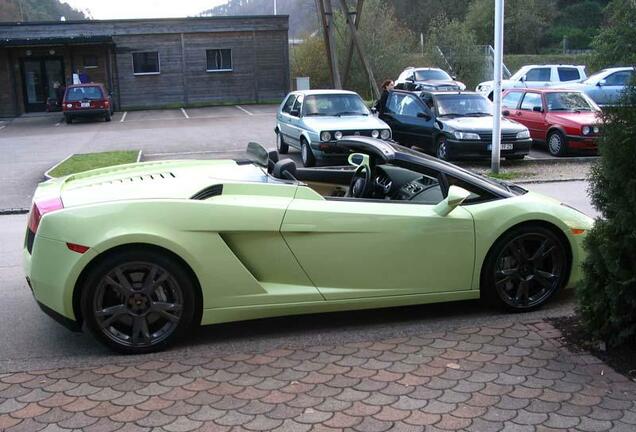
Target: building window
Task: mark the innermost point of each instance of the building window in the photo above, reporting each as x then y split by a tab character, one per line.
90	61
219	60
146	63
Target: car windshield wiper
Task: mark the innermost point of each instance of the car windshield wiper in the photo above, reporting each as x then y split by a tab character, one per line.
351	113
316	114
476	114
449	114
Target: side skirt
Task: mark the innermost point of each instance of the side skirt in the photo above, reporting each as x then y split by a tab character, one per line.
243	313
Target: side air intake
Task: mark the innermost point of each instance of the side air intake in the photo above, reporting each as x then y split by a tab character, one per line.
208	192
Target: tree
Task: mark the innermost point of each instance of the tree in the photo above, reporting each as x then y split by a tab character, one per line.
37	10
615	44
607	297
526	23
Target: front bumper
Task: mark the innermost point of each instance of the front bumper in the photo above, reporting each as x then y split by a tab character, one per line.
581	142
328	151
458	149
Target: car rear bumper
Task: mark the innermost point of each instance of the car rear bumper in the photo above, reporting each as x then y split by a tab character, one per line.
88	112
480	149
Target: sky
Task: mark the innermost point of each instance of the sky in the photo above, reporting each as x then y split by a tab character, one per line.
116	9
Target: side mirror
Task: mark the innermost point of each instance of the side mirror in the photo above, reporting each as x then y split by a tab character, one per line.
537	109
374	110
505	113
523	78
358	159
601	83
410	79
456	196
294	113
425	116
454	77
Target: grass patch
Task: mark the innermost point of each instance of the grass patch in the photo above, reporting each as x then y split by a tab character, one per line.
504	175
88	161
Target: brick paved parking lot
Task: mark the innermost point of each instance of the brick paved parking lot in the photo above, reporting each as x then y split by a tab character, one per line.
513	376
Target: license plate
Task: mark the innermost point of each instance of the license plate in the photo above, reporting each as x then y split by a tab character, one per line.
504	146
85	104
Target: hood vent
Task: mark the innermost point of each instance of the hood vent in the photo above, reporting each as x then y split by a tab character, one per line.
208	192
145	178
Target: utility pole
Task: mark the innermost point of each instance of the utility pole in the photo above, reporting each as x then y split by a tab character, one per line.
496	130
349	55
326	15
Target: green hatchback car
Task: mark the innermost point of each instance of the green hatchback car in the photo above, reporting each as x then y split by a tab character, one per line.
140	253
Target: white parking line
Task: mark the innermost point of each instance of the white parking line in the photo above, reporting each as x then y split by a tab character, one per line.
2	127
185	114
244	110
123	117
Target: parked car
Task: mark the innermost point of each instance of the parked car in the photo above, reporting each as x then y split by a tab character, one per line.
533	76
234	241
86	100
314	120
563	119
607	86
427	79
451	125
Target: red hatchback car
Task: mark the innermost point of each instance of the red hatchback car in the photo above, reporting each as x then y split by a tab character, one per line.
565	120
86	100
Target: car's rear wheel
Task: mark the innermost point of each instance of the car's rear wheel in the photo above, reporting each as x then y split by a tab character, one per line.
138	301
281	146
525	268
306	154
557	145
107	116
441	149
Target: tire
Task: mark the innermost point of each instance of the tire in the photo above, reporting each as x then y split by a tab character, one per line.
281	146
441	148
135	318
107	116
307	156
525	267
68	118
557	144
491	96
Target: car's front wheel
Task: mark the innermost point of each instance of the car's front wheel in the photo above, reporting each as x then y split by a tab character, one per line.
525	268
281	146
138	301
441	149
557	146
309	160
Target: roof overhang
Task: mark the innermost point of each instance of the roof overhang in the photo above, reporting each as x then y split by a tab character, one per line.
47	41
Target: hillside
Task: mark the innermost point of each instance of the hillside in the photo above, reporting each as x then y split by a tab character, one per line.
37	10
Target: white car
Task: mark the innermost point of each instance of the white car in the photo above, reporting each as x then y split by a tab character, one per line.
534	76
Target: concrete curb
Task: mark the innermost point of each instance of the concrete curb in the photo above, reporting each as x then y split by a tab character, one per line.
549	181
49	177
13	211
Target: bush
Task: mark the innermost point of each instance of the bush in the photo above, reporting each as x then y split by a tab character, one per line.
607	298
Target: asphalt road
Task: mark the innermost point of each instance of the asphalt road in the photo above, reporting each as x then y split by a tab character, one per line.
31	340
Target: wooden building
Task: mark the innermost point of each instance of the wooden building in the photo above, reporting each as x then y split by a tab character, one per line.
149	63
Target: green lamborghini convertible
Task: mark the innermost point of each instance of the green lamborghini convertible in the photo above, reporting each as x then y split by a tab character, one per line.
138	254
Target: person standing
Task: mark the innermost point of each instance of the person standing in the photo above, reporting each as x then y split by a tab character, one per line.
387	86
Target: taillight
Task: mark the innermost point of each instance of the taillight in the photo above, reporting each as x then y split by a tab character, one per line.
41	208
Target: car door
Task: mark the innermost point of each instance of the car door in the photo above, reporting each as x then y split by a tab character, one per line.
538	77
285	118
416	130
389	115
529	115
353	248
610	90
295	121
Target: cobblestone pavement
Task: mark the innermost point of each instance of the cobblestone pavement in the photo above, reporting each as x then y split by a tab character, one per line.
514	376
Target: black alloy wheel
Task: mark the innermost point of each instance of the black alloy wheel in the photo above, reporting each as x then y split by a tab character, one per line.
527	267
138	302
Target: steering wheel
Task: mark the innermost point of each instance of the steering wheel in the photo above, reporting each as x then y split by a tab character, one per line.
360	186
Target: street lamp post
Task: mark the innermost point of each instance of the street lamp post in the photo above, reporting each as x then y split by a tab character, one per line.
275	8
496	127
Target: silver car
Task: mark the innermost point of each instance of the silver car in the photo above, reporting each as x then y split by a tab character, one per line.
607	86
314	120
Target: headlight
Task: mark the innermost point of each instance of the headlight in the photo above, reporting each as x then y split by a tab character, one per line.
524	134
586	130
69	105
596	129
466	136
375	133
337	135
325	136
385	134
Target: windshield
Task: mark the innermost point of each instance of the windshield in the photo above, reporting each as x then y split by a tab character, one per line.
432	75
463	105
83	93
570	102
338	104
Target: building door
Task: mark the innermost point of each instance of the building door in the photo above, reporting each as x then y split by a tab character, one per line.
39	76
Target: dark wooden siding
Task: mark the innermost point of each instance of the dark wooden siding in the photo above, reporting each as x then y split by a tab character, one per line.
7	86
